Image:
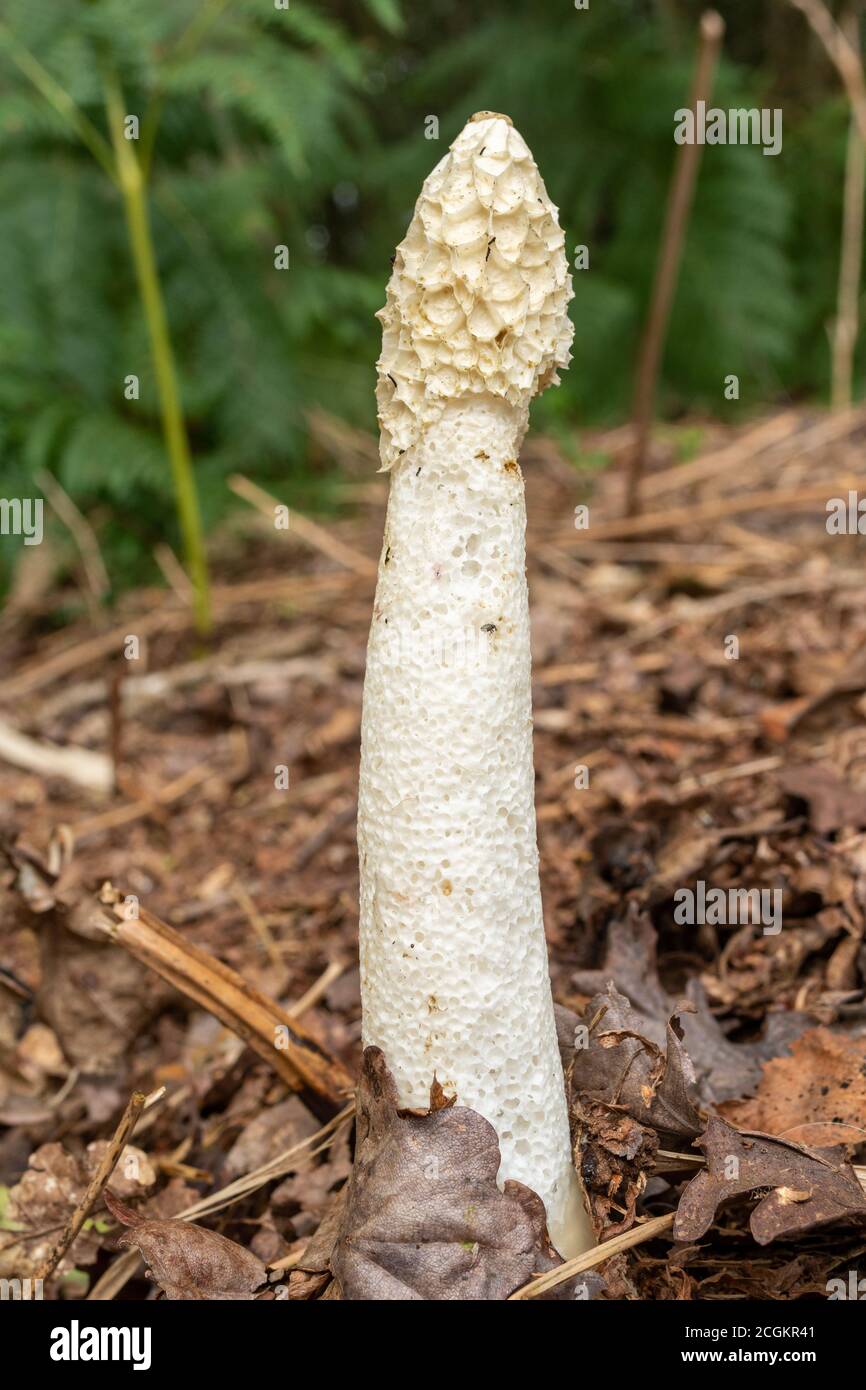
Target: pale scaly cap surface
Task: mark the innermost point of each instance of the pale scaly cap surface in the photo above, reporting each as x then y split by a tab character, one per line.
478	296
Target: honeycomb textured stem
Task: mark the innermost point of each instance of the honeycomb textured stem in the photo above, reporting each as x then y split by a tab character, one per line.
454	971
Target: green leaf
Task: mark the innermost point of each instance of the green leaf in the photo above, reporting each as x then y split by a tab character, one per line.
387	12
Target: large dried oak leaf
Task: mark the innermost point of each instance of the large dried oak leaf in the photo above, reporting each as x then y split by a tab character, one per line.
816	1096
424	1218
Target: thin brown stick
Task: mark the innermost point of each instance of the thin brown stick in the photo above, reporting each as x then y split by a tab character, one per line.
82	533
308	531
756	768
708	465
711	32
323	836
97	1183
769	499
842	55
668	1161
245	902
577	672
145	806
270	1031
332	971
115	718
704	610
671	726
848	295
779	433
83	766
354	449
636	1236
300	589
174	573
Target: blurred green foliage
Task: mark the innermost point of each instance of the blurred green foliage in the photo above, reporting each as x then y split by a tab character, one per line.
305	127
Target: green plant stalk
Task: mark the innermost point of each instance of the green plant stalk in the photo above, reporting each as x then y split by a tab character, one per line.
133	189
187	43
59	99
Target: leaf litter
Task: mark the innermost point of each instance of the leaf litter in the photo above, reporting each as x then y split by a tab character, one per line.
734	773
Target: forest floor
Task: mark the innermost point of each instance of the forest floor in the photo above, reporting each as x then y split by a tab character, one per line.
700	713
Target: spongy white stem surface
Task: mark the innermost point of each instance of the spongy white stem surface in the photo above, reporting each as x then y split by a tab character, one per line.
454	970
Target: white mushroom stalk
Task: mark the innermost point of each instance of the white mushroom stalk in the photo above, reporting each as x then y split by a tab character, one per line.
454	971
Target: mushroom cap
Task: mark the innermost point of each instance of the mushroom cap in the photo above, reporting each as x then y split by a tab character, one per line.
478	296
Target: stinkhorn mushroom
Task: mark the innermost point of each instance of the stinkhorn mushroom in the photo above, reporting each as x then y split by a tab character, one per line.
454	972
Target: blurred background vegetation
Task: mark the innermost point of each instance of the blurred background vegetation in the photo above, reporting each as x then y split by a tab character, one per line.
305	127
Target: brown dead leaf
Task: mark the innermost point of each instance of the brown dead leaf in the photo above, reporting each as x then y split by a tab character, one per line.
170	1201
622	1090
617	1157
310	1189
95	997
820	1088
38	1054
274	1129
680	860
301	1286
317	1253
808	1188
424	1218
625	1093
723	1070
833	804
34	883
630	964
621	1067
778	720
189	1262
49	1191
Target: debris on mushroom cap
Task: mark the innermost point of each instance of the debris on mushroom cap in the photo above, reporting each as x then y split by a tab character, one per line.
478	296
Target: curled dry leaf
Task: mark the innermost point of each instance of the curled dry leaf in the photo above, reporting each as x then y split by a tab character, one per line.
35	885
187	1261
807	1187
424	1218
625	1069
616	1156
95	1000
625	1093
680	860
300	1286
319	1249
723	1070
